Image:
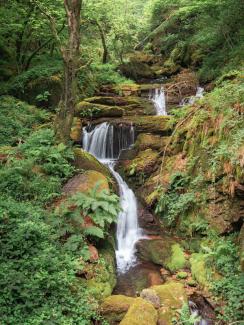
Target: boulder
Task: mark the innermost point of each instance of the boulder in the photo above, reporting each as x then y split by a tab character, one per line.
137	71
131	105
141	312
172	297
145	162
114	308
51	85
86	182
85	161
166	252
151	296
150	141
91	110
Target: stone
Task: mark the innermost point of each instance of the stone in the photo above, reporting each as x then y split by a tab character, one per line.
90	110
52	85
85	161
150	141
141	312
145	162
114	308
151	296
165	251
172	297
182	275
85	182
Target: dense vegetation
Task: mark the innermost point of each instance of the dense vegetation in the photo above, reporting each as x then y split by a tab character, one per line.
46	264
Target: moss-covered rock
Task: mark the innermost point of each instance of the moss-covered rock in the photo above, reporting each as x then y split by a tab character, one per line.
86	109
86	182
144	162
151	296
200	272
149	141
131	105
36	89
85	161
172	297
166	252
114	308
140	312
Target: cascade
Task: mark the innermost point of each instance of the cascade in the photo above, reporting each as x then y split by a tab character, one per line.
157	96
191	100
105	142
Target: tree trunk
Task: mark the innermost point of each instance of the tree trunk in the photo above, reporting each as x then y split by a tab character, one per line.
103	39
71	58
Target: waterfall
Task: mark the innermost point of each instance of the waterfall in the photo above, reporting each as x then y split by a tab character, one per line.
105	142
157	96
191	100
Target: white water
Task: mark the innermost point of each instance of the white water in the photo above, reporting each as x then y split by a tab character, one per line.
105	143
191	100
157	96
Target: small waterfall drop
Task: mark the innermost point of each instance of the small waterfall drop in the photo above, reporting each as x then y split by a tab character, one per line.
191	100
105	142
157	96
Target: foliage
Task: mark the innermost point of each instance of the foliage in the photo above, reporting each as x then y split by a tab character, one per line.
101	207
175	201
185	317
205	34
17	120
38	282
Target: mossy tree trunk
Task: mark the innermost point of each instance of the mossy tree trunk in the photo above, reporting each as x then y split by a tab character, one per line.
71	59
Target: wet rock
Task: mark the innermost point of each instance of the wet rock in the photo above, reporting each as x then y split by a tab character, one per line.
114	308
85	161
151	296
131	105
165	252
149	141
90	110
140	312
172	297
85	182
145	162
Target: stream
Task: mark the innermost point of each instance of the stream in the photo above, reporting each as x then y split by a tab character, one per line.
106	142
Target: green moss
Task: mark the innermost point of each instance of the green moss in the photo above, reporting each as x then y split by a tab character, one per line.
140	312
177	259
85	161
114	308
182	275
199	271
171	294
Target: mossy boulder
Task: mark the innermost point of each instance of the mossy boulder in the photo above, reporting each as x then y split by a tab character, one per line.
36	89
86	182
137	70
140	312
131	105
150	141
145	162
85	161
114	308
200	271
86	109
166	252
172	297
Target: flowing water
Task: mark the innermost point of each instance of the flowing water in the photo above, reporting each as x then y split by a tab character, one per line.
157	96
191	100
106	142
